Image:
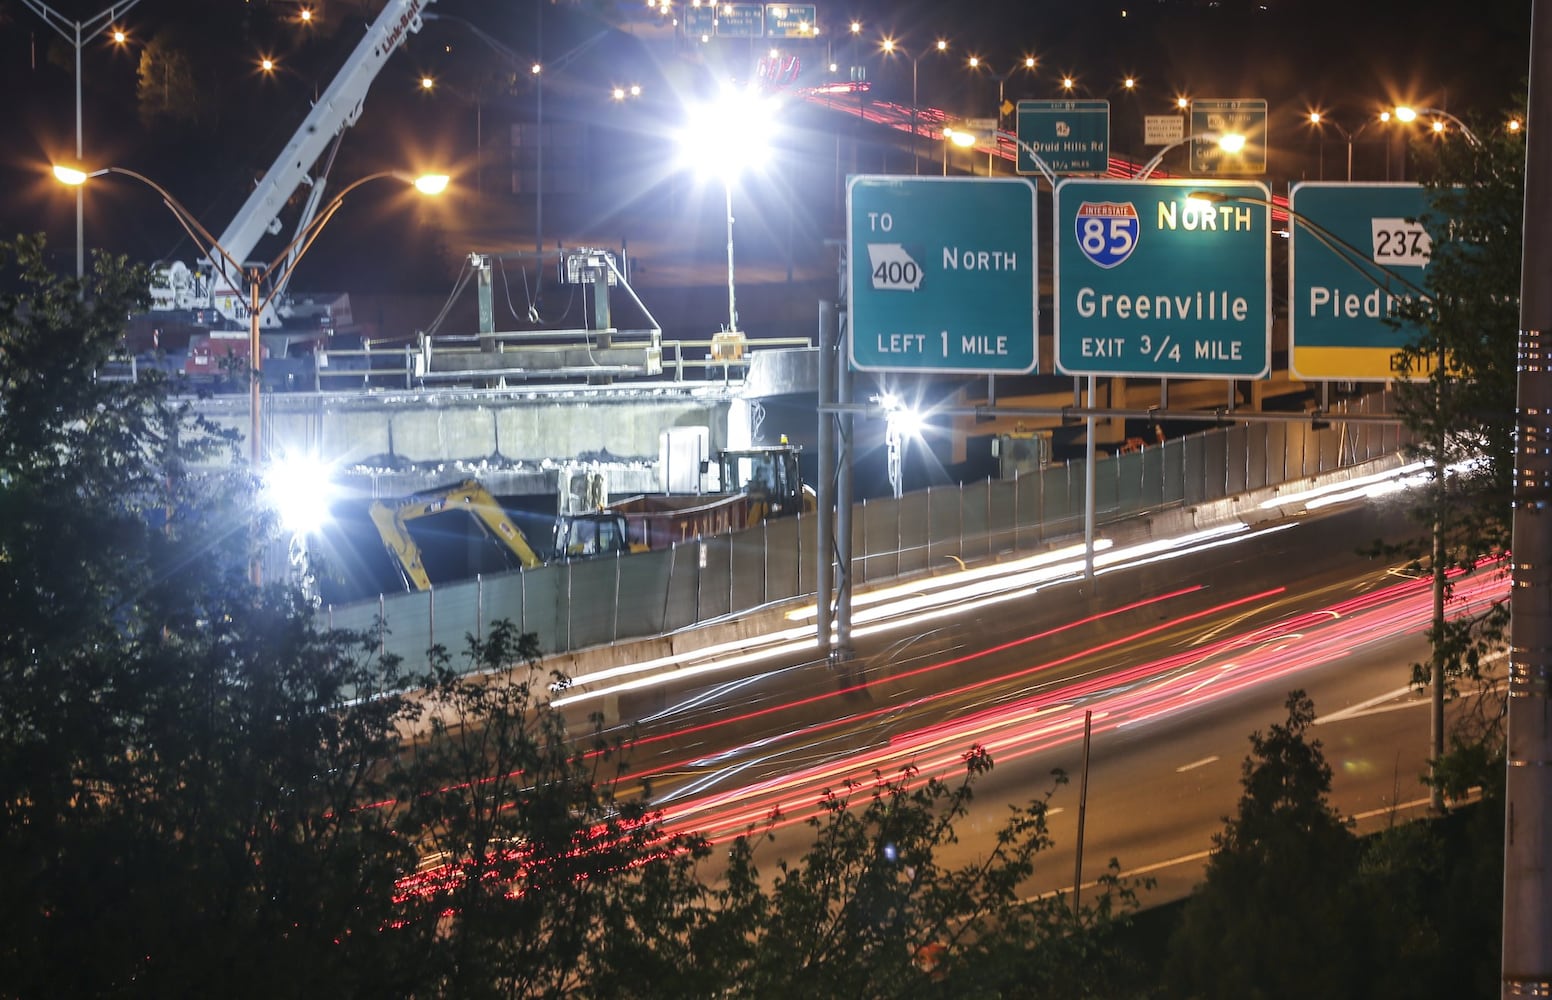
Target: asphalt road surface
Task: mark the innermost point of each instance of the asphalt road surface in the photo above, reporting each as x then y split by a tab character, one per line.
1178	656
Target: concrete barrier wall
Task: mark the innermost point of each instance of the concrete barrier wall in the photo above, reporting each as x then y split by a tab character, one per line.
604	609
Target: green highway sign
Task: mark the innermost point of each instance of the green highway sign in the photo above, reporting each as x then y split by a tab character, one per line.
791	20
740	20
699	21
1152	284
1240	117
1072	137
942	275
1353	256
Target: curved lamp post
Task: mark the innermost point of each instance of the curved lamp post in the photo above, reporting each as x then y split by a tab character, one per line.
1409	114
1229	142
258	275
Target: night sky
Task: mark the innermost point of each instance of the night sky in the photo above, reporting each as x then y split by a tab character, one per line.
1343	57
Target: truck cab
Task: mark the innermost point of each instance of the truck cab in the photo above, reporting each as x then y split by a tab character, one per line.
769	475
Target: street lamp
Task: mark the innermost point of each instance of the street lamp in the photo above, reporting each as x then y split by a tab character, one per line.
977	63
258	275
79	33
1229	142
955	137
721	140
1319	120
890	48
1409	114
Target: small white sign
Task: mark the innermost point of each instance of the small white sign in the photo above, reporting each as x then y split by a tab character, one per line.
1398	242
893	269
1161	130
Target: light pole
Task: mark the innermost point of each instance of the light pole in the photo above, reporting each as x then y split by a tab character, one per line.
977	64
258	275
721	140
1229	142
78	33
536	69
890	48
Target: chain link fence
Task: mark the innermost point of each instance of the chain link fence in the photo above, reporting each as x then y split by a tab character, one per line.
575	605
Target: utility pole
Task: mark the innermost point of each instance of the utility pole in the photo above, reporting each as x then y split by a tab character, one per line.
1527	909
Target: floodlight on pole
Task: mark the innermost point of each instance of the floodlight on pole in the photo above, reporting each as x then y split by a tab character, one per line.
258	275
78	33
722	139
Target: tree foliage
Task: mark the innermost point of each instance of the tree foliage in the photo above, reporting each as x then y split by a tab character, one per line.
203	793
872	910
1295	905
1459	404
176	778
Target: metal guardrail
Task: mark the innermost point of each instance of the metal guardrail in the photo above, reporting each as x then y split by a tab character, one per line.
409	366
572	606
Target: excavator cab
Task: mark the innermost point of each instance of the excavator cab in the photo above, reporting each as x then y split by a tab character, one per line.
583	536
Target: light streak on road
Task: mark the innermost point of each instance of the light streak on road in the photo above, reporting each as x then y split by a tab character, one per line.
1137	695
901	606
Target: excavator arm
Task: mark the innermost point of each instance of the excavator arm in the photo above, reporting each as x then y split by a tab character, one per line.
392	519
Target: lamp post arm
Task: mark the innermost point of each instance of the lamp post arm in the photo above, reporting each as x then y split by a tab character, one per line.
1148	168
1352	256
1470	136
1040	164
210	247
78	34
291	254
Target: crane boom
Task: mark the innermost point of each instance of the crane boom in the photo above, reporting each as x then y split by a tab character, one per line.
176	287
337	109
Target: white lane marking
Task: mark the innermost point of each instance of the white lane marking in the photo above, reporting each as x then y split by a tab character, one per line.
1368	707
1183	768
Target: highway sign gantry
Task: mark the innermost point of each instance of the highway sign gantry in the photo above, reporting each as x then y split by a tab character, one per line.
1246	117
1150	283
1354	257
942	274
1071	137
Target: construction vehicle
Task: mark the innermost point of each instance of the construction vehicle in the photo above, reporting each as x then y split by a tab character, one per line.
744	487
208	292
575	536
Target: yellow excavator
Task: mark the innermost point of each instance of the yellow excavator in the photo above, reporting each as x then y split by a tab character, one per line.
577	536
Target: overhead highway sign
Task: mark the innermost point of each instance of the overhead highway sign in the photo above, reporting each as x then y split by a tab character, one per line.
1357	251
1151	283
942	274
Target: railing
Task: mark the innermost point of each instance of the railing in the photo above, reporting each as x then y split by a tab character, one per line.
572	606
406	366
